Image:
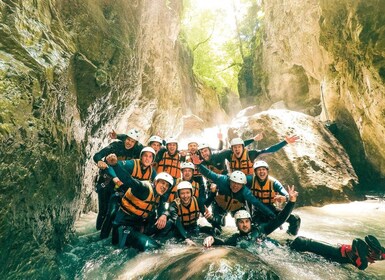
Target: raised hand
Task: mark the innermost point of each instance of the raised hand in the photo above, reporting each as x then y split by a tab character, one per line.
258	137
208	215
113	134
196	159
112	159
293	194
291	139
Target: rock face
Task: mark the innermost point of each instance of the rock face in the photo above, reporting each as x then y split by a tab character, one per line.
69	72
337	44
317	164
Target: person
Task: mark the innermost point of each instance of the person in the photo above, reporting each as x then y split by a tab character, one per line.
170	158
126	149
240	158
155	142
247	232
270	191
141	213
121	171
141	169
231	194
359	253
198	188
184	213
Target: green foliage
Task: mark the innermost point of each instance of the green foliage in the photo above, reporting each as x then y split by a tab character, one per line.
219	49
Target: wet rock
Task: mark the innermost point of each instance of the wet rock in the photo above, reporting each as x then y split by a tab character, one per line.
317	164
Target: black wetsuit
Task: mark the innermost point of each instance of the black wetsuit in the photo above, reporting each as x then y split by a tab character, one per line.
258	232
104	185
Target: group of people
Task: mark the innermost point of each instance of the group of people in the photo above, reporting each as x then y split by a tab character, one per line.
151	193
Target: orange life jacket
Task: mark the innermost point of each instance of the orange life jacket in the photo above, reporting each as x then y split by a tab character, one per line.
243	164
189	215
132	205
138	173
228	203
170	164
266	192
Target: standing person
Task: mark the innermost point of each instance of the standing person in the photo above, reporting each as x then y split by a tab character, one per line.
184	213
137	218
140	169
121	171
231	194
170	159
270	191
198	190
128	148
249	233
240	158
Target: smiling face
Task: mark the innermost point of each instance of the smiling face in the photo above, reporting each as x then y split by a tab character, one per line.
261	173
129	143
235	187
161	186
244	225
187	174
205	154
185	196
147	158
192	147
156	146
171	147
237	150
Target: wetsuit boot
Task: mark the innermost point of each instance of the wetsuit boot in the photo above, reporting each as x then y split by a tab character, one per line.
294	224
356	253
376	251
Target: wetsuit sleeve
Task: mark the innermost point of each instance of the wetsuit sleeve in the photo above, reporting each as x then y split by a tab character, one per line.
161	210
249	181
110	149
210	198
138	189
279	188
272	225
248	142
253	154
217	179
249	197
121	137
160	154
222	155
153	174
220	145
181	229
231	241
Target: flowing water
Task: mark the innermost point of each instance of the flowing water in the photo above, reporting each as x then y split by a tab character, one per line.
87	257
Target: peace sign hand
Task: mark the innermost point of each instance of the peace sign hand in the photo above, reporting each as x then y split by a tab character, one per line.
293	194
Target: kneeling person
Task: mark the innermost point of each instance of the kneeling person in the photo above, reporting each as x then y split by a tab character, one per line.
184	212
136	218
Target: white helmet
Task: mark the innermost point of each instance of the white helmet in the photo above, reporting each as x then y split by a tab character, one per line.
242	214
184	185
238	177
165	176
192	141
171	140
147	149
203	145
134	134
260	163
184	165
237	141
155	138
